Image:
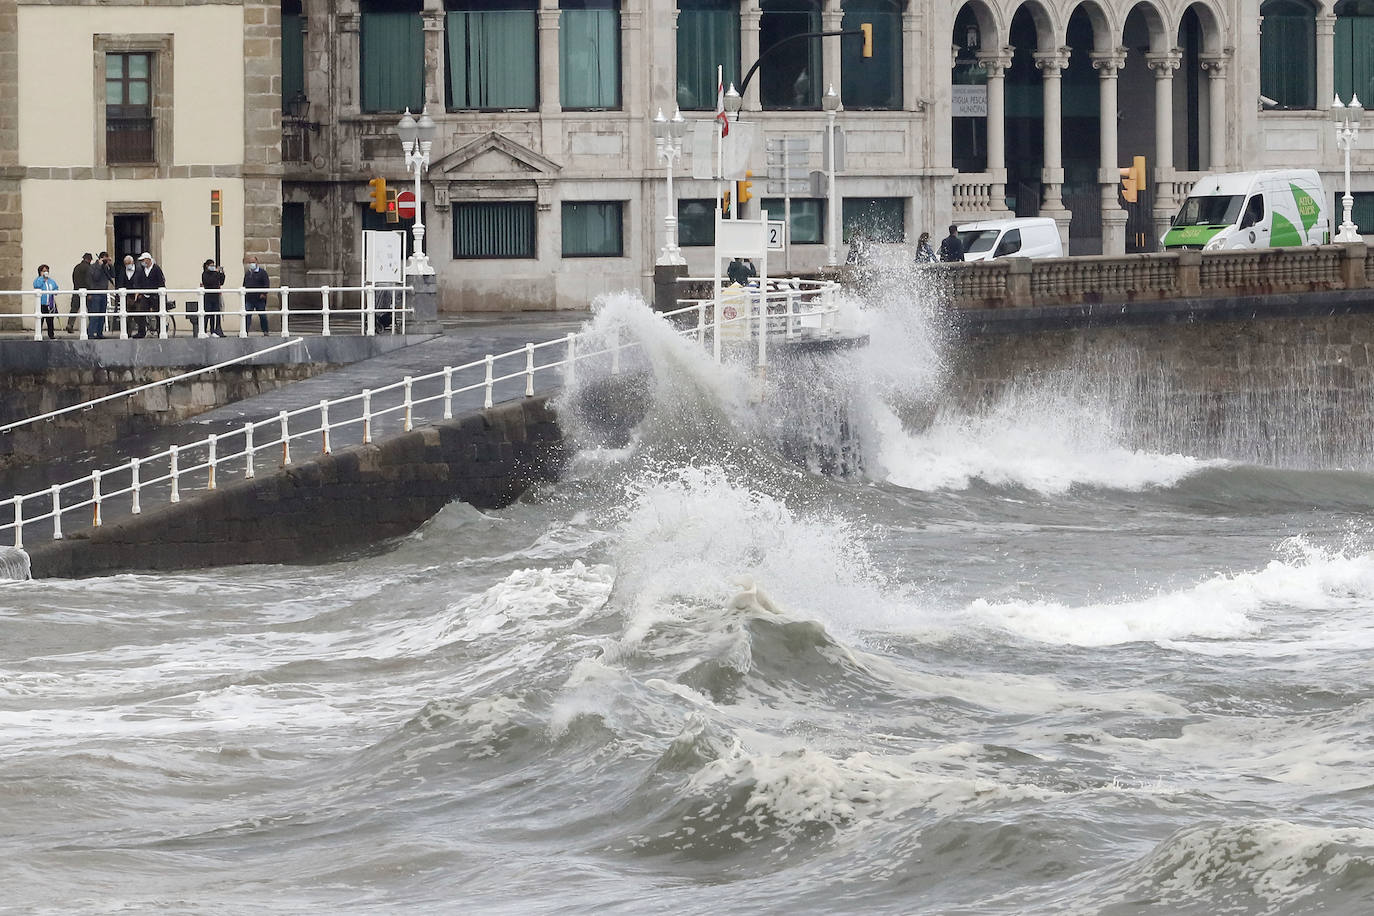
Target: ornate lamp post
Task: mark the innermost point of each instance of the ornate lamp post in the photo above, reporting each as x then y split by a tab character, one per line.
1347	121
416	139
668	146
831	103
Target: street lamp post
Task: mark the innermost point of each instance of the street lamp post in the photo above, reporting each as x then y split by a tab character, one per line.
831	103
1347	121
668	146
416	139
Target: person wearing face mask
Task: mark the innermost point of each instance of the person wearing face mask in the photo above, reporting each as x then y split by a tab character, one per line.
212	280
47	302
98	280
150	280
125	282
256	278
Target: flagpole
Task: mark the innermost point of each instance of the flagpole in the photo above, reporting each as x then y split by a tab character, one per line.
720	137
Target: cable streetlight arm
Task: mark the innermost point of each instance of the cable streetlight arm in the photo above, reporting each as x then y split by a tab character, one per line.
865	32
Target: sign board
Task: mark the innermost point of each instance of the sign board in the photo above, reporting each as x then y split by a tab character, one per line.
740	238
385	256
790	188
839	152
735	149
405	205
777	235
968	101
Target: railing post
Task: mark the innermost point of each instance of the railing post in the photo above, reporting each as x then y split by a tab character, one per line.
211	461
284	298
95	499
615	350
243	311
135	488
122	307
81	315
19	522
162	321
409	406
763	328
448	392
529	369
367	416
248	450
571	358
486	400
324	426
701	321
370	312
200	311
175	474
285	440
57	512
38	315
324	310
790	332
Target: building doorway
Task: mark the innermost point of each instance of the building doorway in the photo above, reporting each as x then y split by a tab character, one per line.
132	235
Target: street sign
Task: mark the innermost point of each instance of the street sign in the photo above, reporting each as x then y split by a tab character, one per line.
777	235
405	204
839	152
793	145
797	188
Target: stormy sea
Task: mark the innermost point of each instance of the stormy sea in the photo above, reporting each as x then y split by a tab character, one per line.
1004	659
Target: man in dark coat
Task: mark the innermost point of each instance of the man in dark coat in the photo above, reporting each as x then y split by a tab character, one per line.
255	277
212	280
126	280
951	249
149	280
99	279
79	273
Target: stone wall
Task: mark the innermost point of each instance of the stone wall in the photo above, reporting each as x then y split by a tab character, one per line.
332	503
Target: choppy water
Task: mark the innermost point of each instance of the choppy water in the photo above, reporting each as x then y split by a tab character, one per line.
1017	667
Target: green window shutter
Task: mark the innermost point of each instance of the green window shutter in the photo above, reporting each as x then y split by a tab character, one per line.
393	62
293	231
1288	53
589	58
493	59
696	222
493	230
1354	63
872	82
592	229
292	55
707	38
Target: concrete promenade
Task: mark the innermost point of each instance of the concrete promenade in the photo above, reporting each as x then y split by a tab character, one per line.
465	339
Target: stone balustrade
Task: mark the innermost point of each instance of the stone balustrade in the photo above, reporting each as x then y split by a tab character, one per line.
972	197
1022	282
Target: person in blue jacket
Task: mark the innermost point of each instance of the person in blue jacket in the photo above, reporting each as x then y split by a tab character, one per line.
47	302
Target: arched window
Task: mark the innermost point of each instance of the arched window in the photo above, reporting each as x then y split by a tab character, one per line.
1355	50
872	82
1288	53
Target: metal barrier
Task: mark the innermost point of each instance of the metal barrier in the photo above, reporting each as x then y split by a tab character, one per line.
783	311
335	316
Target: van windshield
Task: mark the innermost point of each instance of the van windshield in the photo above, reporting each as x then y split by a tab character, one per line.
1215	210
976	240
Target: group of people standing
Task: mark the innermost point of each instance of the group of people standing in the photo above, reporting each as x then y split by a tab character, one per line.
142	277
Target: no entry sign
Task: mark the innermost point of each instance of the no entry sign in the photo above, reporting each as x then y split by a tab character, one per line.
405	205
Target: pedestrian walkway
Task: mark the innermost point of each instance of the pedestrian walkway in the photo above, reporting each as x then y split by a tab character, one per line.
466	339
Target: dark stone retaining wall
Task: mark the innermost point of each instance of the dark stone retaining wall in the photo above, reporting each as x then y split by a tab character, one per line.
321	507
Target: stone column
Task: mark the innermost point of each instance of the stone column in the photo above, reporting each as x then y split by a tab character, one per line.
996	64
433	25
1164	64
1326	61
549	101
1215	67
262	169
347	53
11	197
1108	64
750	17
1052	64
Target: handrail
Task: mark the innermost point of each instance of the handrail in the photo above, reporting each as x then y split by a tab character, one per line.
184	460
130	392
365	311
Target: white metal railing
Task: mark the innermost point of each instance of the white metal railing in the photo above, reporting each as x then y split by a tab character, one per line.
130	392
340	309
783	310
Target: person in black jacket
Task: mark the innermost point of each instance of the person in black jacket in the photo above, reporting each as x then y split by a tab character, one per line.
99	278
951	249
256	278
149	279
79	274
212	281
124	303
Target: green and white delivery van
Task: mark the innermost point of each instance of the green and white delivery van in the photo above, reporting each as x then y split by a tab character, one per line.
1271	209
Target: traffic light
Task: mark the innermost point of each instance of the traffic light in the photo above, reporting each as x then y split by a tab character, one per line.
393	215
378	194
742	195
867	28
725	204
1133	180
216	208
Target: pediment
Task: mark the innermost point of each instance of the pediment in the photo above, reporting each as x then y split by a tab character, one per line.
495	154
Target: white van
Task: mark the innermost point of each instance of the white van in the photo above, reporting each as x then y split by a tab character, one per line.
1269	209
1024	237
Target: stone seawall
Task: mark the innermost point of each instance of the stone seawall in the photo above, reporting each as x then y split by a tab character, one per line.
319	508
42	376
1266	383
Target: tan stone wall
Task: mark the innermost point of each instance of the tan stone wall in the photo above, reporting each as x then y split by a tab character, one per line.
11	231
262	169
